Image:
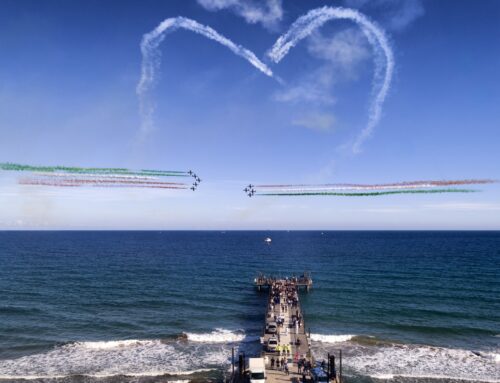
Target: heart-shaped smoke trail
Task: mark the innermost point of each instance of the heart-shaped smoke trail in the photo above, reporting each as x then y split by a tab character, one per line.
151	59
300	29
308	23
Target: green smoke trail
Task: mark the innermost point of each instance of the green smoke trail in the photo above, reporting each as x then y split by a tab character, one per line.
104	171
370	194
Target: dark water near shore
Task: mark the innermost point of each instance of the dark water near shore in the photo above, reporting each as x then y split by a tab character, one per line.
168	306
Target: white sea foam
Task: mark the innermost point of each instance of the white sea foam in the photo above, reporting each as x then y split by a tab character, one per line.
220	335
331	338
434	377
383	376
495	357
115	344
121	357
416	361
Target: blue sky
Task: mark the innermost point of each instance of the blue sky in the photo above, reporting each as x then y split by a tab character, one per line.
69	73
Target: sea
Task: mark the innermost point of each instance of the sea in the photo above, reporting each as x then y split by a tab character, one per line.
169	306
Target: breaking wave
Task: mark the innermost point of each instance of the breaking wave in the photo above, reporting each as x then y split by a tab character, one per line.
114	344
221	335
388	360
134	357
331	338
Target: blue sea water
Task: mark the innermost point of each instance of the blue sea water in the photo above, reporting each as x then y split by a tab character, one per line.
169	306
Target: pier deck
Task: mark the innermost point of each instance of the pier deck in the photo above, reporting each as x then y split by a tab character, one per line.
304	280
283	306
288	334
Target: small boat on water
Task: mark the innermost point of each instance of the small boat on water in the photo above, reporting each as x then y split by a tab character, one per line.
268	240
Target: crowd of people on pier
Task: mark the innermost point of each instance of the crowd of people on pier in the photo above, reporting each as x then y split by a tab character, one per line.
283	308
263	280
284	301
281	364
304	365
284	295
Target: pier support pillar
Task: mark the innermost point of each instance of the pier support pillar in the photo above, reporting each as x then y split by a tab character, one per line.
232	361
340	366
241	365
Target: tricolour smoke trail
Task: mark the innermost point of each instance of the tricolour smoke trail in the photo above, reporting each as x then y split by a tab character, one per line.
396	185
65	176
102	171
151	59
367	194
308	23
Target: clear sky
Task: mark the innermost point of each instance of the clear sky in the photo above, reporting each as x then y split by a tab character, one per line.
68	78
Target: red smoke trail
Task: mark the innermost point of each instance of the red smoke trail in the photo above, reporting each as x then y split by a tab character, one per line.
101	183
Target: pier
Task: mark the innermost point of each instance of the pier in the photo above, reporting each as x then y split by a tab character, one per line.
285	340
304	280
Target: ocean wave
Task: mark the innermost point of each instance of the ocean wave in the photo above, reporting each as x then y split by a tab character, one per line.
433	377
115	344
18	310
145	374
494	356
121	357
220	335
331	338
416	361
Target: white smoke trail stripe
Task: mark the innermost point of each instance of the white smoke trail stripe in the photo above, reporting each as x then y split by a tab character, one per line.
100	176
151	58
308	23
327	188
99	181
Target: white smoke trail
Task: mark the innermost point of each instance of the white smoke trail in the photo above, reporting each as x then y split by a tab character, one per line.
151	59
308	23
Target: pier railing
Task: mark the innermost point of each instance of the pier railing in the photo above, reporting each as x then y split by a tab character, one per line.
303	280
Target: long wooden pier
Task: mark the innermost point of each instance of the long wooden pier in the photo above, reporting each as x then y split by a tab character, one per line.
285	325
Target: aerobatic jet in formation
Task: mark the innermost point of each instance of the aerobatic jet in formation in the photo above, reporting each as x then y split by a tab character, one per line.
249	190
196	182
